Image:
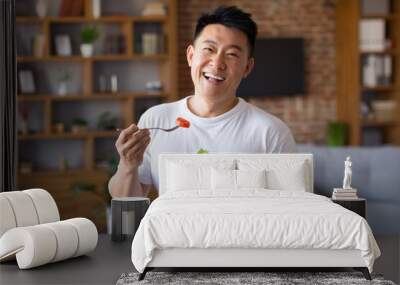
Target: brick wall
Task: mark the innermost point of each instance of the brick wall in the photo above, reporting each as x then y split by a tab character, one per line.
314	20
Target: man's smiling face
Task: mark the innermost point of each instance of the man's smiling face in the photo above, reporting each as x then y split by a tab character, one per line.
219	60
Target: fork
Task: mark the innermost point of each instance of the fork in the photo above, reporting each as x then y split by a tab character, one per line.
161	129
165	130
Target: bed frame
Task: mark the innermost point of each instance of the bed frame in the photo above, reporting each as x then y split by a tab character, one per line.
250	259
246	259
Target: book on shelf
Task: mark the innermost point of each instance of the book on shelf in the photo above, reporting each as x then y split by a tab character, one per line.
375	7
377	70
344	194
345	198
65	8
154	9
151	43
38	45
372	35
70	8
341	190
77	8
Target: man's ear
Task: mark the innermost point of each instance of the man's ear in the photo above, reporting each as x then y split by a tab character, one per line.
189	54
249	67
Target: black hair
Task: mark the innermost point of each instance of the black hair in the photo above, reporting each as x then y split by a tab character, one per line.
231	17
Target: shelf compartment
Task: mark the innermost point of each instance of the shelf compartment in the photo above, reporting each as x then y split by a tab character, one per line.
111	42
96	115
131	76
124	8
46	155
31	117
47	76
106	154
149	38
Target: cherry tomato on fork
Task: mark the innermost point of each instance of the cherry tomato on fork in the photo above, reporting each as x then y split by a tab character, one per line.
183	123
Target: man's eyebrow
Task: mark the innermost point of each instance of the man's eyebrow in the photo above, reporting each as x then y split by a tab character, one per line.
230	46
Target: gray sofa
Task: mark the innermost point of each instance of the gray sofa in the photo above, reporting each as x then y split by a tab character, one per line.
376	175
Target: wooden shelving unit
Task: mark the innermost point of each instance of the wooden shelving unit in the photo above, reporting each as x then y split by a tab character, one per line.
349	61
48	109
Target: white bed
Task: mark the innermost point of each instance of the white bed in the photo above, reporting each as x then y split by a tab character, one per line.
247	210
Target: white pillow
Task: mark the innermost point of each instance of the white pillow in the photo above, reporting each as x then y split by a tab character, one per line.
181	177
281	174
251	178
293	179
193	175
237	179
223	179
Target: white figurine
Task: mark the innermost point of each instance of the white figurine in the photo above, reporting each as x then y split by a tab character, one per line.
347	174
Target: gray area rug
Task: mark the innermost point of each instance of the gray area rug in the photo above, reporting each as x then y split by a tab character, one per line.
229	278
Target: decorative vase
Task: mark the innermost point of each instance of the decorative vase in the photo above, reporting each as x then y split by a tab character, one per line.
87	50
62	88
96	8
41	8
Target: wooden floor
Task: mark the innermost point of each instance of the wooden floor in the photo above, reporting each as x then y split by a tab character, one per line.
106	264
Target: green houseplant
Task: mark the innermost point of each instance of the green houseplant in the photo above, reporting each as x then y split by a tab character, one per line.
89	34
79	125
337	134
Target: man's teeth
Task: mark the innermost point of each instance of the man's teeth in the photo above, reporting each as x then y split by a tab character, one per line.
208	75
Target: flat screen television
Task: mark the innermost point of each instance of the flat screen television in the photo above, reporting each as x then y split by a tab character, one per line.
278	69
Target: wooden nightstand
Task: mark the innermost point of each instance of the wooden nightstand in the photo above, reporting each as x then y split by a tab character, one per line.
358	206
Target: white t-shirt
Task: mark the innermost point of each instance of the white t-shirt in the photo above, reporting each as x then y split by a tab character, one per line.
243	129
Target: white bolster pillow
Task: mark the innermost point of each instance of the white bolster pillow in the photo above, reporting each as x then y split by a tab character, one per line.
46	207
87	235
7	219
40	244
26	208
23	208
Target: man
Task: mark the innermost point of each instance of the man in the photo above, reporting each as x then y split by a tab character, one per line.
219	58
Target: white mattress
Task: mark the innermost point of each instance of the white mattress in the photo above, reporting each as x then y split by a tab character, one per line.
251	219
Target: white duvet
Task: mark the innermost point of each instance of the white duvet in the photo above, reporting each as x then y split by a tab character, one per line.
250	219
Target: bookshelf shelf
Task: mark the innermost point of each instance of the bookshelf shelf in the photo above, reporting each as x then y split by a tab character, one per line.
94	96
386	88
389	52
377	124
121	57
92	20
389	17
69	135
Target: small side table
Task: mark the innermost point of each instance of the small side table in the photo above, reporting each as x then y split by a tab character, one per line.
358	206
126	214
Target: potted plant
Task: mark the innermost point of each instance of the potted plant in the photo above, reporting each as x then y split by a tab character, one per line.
79	125
107	122
337	134
89	35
